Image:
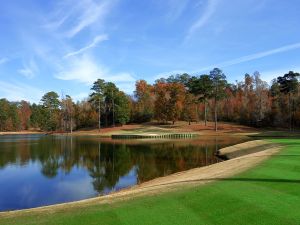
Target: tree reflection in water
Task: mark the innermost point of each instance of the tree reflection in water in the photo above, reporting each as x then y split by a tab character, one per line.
109	162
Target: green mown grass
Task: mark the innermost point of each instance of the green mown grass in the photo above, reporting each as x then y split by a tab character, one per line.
276	134
266	194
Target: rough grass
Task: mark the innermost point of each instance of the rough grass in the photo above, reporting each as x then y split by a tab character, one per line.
276	134
180	126
266	194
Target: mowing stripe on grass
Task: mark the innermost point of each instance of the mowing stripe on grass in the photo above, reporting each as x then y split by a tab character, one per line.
266	194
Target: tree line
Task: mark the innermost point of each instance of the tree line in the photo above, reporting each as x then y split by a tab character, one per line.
210	97
106	105
207	97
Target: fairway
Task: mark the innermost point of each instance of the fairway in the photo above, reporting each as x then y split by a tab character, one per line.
266	194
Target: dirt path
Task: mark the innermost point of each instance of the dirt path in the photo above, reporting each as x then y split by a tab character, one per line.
245	148
164	184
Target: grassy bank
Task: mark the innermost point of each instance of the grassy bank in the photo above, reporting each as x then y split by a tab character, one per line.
266	194
178	127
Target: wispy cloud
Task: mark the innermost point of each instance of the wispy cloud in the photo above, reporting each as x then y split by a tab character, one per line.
208	12
3	60
74	16
91	12
29	69
252	57
237	61
16	91
175	8
85	69
96	40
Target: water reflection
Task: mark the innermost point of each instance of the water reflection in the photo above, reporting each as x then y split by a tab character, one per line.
40	170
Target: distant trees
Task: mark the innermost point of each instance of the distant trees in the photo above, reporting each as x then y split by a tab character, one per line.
85	115
4	114
114	104
219	82
96	97
67	113
175	101
122	108
36	117
178	98
288	85
110	96
143	108
9	119
261	99
169	101
202	88
181	97
24	114
50	111
161	101
189	110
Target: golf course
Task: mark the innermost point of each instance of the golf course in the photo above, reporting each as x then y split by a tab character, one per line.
267	193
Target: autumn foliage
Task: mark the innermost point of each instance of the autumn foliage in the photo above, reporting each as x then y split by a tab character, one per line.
211	97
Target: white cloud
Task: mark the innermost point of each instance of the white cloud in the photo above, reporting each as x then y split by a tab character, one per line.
97	39
74	16
3	60
91	13
26	72
29	69
16	91
85	69
204	18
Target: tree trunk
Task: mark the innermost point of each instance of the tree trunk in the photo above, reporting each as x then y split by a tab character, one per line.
205	113
106	116
290	112
99	115
71	125
197	114
293	115
216	106
113	109
216	115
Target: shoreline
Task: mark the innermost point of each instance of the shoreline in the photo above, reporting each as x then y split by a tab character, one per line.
185	179
150	129
21	132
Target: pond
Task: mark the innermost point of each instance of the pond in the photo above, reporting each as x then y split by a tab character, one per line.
38	170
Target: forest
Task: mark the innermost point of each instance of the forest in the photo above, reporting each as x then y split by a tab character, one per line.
206	97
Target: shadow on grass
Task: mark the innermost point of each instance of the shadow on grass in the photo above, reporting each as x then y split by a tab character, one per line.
265	180
281	155
237	179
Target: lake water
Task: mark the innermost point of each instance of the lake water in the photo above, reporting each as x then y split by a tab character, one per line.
38	170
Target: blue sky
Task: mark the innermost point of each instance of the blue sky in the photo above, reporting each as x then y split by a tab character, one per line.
65	45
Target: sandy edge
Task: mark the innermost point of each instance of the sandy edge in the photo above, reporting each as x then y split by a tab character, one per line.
21	132
188	178
243	146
